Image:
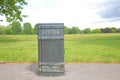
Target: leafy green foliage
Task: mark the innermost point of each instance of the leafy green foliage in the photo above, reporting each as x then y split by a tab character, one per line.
118	30
87	31
75	30
113	29
11	9
36	29
28	28
66	30
97	30
8	30
16	27
106	30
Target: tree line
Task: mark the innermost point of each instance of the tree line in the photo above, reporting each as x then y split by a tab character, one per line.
76	30
16	28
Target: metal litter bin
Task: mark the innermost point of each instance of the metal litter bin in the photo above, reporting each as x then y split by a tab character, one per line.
51	49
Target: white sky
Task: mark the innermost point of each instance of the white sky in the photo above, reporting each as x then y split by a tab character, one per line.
80	13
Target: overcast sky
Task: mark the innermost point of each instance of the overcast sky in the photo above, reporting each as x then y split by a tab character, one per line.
80	13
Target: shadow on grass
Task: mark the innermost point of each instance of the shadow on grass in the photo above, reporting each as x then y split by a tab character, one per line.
33	68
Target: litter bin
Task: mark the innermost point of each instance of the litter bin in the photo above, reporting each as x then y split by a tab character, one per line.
51	49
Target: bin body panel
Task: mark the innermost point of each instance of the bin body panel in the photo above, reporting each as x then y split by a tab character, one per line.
52	51
51	48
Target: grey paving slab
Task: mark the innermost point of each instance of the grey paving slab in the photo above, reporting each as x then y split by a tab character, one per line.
73	72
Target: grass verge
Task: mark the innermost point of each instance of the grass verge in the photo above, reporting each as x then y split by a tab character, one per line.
82	48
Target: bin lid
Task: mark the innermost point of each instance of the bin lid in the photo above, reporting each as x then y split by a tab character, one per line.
51	25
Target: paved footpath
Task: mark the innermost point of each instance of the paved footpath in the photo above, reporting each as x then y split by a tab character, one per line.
73	72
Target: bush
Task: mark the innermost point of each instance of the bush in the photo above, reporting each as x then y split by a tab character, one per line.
96	30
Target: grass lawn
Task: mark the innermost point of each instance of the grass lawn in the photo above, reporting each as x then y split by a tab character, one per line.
88	48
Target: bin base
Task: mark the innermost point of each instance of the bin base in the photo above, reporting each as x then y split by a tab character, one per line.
51	73
51	69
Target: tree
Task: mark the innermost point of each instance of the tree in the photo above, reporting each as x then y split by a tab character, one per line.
87	31
36	29
11	9
113	29
97	30
16	27
106	30
28	28
75	30
66	30
118	30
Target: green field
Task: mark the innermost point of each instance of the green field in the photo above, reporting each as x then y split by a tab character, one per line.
83	48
